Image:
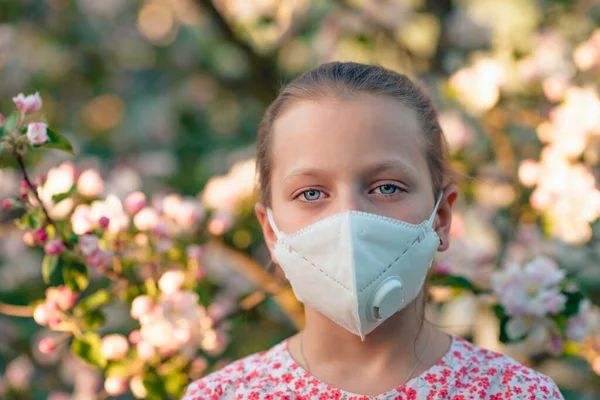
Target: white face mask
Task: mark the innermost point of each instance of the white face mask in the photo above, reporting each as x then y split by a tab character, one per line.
357	269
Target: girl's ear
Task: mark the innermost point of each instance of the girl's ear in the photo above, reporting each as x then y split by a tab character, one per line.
444	216
270	238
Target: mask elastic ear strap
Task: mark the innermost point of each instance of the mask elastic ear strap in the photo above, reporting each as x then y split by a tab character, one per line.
434	213
272	221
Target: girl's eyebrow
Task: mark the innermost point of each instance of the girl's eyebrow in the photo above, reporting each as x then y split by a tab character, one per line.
308	172
371	170
395	165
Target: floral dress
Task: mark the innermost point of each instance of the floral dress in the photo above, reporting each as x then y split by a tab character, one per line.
464	372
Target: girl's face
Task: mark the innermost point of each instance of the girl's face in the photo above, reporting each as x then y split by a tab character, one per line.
365	154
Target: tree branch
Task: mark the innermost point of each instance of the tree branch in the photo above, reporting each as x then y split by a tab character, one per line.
265	80
16	311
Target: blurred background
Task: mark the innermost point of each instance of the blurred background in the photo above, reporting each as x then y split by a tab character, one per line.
166	95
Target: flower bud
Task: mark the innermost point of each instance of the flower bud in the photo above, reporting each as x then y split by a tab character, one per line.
1	119
115	385
40	235
31	103
66	298
135	336
114	346
104	222
8	204
37	133
23	196
46	346
41	314
137	387
53	247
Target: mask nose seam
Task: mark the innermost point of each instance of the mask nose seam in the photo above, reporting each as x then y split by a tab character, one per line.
314	266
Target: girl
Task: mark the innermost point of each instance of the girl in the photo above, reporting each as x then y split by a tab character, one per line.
355	201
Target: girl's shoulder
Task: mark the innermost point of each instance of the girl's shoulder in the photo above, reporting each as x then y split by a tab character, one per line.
248	371
481	370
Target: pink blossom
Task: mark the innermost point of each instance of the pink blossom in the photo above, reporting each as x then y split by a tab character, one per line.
46	346
67	297
188	214
140	306
30	103
135	202
530	290
88	244
112	209
54	247
135	336
145	350
37	133
1	119
99	258
19	372
115	385
182	335
90	183
580	325
62	296
164	245
556	345
195	251
158	332
81	220
137	387
114	346
145	219
219	223
171	281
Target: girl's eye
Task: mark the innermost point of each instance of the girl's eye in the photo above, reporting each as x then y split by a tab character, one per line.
387	189
311	195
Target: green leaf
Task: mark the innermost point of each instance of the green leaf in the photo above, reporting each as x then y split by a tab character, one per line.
118	368
10	122
92	302
503	335
75	276
572	304
49	265
31	219
94	320
57	198
88	348
155	385
499	311
175	384
57	141
453	281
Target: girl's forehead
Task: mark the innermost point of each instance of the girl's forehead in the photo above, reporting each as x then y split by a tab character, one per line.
343	133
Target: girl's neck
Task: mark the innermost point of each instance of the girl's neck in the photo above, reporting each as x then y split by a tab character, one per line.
398	338
403	345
